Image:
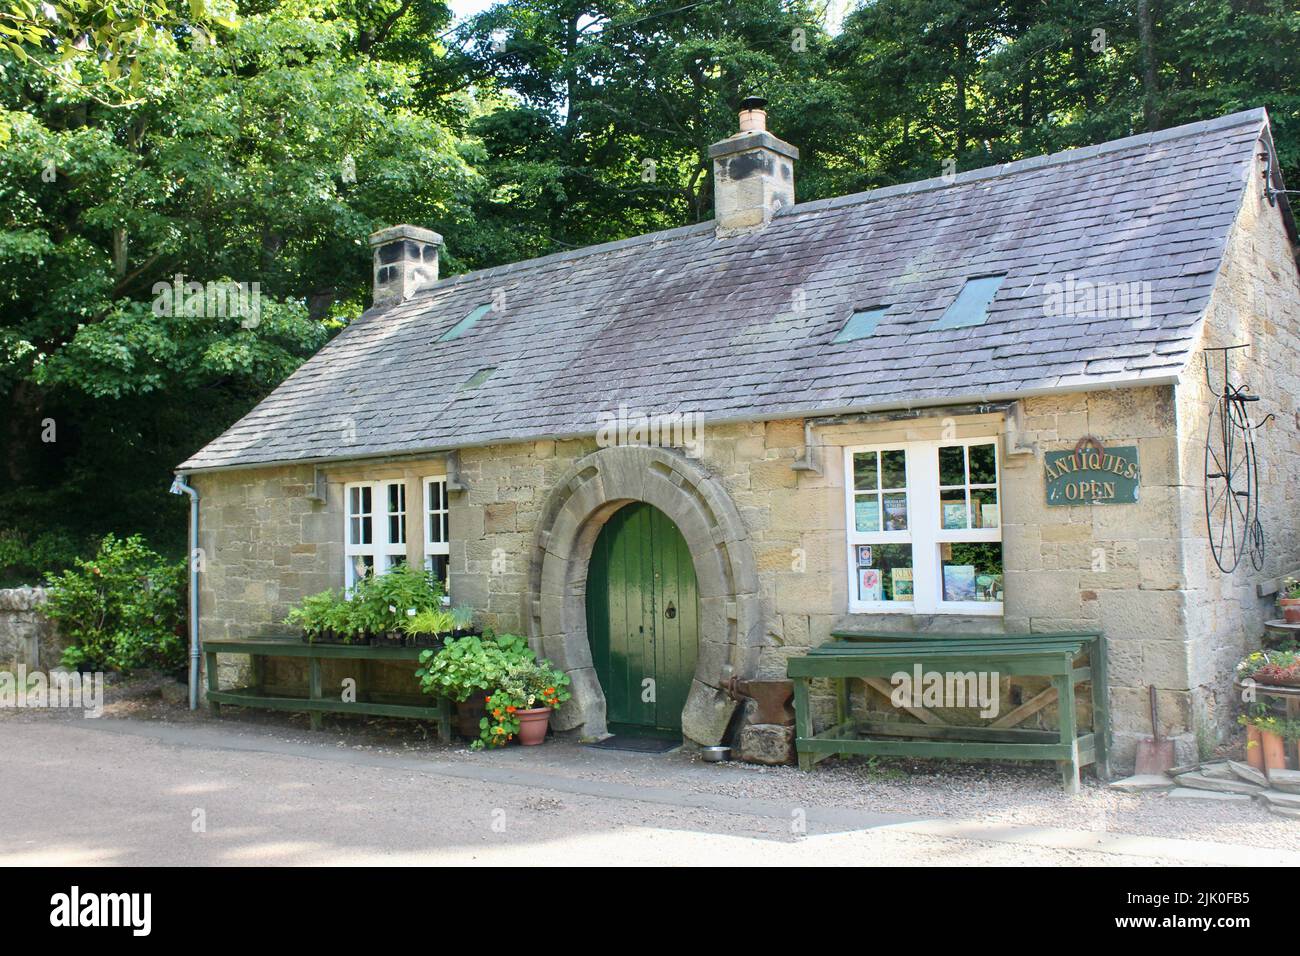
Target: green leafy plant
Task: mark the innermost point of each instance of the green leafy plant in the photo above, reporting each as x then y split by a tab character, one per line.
1290	589
315	614
382	603
526	684
467	665
122	609
1270	667
433	623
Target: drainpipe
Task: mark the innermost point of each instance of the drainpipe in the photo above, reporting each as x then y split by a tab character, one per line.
181	487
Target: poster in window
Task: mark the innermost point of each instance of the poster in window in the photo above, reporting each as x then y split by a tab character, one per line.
866	513
895	513
902	581
959	582
869	585
954	514
864	556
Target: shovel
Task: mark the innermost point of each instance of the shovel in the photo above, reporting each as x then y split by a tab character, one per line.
1154	756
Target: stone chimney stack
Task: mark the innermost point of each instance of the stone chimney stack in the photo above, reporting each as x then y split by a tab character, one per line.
406	259
753	173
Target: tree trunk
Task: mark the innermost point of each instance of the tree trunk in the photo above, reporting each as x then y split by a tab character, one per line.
1147	43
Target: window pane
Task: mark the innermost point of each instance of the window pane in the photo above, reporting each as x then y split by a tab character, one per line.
445	535
365	536
888	576
365	499
362	565
972	572
354	531
866	513
983	465
864	471
952	465
896	512
952	505
984	507
893	469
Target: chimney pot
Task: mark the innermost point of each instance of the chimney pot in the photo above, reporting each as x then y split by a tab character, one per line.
405	261
753	114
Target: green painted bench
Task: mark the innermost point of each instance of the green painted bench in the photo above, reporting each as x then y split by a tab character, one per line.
259	648
1068	659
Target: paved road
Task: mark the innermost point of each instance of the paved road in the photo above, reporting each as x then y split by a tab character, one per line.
134	792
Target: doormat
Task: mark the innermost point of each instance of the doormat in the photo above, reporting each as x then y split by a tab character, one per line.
639	745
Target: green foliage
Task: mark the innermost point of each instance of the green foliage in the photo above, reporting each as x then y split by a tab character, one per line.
383	603
123	609
524	685
433	623
404	599
468	665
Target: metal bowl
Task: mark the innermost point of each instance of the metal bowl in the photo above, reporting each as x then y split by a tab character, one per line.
715	754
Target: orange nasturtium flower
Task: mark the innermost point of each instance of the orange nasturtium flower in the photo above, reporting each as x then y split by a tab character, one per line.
550	690
510	709
496	712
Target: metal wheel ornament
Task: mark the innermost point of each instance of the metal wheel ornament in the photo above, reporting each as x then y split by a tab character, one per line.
1232	474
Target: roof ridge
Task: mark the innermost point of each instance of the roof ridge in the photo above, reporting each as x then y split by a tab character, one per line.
1077	154
1064	157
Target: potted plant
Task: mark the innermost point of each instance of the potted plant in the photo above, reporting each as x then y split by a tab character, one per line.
1288	598
318	616
388	600
1254	748
522	704
1271	668
426	628
1271	743
1290	731
466	669
462	621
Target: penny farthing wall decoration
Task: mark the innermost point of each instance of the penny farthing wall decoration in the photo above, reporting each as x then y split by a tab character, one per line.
1232	469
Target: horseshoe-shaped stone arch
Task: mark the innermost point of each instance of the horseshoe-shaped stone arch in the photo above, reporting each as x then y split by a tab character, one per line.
730	609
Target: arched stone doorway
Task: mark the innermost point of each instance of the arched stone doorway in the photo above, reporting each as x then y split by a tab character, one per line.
730	619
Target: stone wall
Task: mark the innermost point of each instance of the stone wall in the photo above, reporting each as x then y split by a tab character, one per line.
1257	303
26	635
1117	568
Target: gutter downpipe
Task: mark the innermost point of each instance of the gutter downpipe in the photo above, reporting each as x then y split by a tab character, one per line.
181	487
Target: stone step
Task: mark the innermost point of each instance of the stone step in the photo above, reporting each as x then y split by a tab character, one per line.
1247	773
1187	793
1198	781
1288	800
1285	780
1284	811
1218	770
1143	781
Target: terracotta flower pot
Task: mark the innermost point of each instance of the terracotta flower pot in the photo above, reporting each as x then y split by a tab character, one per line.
1274	750
532	725
1290	609
1254	748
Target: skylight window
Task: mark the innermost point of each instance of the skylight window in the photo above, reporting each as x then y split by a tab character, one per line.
479	377
971	307
465	324
861	324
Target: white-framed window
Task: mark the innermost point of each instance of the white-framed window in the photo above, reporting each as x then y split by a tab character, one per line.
437	529
924	527
375	531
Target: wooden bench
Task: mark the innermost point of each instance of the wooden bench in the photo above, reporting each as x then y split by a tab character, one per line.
875	656
259	648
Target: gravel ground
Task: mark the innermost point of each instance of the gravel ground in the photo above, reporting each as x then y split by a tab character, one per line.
1026	795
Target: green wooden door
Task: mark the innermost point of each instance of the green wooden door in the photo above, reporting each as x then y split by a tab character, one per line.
643	620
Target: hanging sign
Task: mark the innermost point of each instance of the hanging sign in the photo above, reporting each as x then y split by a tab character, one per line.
1092	474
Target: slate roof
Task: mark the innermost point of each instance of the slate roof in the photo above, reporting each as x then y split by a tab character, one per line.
741	328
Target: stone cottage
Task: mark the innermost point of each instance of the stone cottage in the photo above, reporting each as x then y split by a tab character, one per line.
970	403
